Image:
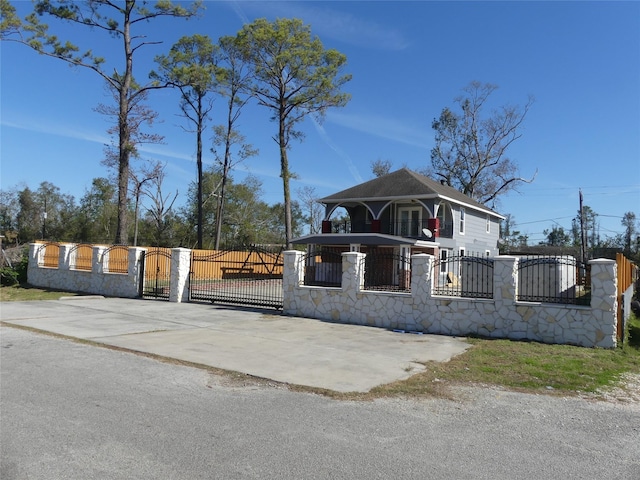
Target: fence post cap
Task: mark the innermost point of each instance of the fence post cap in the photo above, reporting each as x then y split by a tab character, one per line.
602	261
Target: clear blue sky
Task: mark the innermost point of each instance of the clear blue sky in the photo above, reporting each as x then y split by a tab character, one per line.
581	61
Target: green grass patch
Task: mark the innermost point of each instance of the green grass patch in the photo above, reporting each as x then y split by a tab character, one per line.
524	366
25	293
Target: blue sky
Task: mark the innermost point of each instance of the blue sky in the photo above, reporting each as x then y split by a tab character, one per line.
580	60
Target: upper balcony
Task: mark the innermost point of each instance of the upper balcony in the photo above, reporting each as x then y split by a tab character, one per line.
408	229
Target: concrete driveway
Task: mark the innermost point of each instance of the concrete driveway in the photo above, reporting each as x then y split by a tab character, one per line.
261	343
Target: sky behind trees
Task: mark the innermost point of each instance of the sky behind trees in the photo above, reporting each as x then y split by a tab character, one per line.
409	60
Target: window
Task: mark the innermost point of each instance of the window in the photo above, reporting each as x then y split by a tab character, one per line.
488	224
462	220
443	261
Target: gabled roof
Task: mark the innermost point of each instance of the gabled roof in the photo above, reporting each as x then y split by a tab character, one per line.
403	183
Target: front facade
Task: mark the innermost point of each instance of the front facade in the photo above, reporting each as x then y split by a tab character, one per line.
409	213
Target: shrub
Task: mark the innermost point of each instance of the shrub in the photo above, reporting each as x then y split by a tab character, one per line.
17	273
8	276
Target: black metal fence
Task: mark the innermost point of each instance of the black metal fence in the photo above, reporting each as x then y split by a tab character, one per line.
387	271
463	276
323	268
247	275
156	265
557	279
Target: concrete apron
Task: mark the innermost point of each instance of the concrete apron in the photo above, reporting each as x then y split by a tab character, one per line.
262	343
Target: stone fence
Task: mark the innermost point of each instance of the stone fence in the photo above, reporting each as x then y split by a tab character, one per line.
97	279
502	316
421	311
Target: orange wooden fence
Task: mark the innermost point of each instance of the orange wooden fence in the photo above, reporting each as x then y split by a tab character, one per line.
627	272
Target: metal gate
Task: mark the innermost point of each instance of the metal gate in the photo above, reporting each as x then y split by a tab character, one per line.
156	264
250	275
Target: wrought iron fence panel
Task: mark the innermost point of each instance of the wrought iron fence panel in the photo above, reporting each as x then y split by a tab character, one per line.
48	255
560	279
323	268
463	276
248	275
81	256
157	273
387	271
115	259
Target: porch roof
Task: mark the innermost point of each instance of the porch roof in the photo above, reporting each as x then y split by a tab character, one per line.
361	239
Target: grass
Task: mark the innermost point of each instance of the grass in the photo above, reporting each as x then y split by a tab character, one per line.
25	293
515	365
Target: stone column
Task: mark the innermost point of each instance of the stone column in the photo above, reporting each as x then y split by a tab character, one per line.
36	253
180	266
515	322
292	278
505	280
352	271
66	256
99	262
604	301
134	269
421	281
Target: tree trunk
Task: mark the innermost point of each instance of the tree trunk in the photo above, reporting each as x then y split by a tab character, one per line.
124	141
284	173
199	161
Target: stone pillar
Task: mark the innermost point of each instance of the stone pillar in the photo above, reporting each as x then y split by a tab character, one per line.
180	266
35	257
353	271
505	280
66	256
134	269
517	323
604	301
421	280
99	261
292	278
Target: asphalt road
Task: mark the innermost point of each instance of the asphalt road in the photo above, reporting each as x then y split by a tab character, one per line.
74	411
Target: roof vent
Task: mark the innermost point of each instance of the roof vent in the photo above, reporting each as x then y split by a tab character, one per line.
443	182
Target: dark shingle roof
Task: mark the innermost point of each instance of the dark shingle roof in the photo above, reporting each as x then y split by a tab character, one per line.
401	183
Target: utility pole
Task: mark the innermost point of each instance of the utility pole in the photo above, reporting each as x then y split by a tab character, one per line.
582	233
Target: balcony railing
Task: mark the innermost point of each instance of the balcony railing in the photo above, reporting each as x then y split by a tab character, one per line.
410	229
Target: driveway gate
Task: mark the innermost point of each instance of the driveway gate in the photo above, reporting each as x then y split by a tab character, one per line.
156	264
250	275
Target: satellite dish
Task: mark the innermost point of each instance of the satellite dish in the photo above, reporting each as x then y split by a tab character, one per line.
427	233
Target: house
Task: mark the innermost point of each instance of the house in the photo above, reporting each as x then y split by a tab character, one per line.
407	213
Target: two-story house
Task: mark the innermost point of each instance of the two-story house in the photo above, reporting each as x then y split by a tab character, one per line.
409	213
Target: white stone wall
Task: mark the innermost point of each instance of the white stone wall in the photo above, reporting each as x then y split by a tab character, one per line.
95	281
419	311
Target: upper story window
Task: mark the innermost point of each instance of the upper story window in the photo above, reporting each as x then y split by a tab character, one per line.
462	219
488	224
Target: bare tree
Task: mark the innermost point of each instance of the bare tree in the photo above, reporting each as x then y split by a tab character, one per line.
470	151
311	208
161	206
